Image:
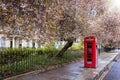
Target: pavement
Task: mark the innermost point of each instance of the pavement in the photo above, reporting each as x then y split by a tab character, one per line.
73	71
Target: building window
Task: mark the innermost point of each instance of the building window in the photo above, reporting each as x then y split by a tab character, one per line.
11	44
33	45
3	42
20	43
27	43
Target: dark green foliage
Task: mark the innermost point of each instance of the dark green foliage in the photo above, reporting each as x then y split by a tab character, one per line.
12	55
17	61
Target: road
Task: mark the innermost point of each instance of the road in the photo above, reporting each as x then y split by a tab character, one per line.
114	73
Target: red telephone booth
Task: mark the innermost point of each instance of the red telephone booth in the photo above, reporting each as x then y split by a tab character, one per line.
90	52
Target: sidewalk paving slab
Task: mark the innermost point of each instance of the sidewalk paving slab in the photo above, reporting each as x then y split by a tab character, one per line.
73	71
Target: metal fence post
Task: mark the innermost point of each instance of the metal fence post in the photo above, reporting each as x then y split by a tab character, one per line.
1	76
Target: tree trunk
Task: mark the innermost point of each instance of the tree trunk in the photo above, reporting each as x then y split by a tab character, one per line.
67	45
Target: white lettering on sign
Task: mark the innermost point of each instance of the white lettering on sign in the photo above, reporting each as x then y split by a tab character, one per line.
89	39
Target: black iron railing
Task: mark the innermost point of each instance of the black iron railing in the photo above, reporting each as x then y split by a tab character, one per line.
14	62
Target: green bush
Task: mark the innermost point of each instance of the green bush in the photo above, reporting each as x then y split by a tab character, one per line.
77	46
12	55
49	49
50	45
20	60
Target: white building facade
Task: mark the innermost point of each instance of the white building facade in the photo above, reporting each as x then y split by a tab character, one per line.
16	42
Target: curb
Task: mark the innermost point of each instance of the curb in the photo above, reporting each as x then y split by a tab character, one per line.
101	74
